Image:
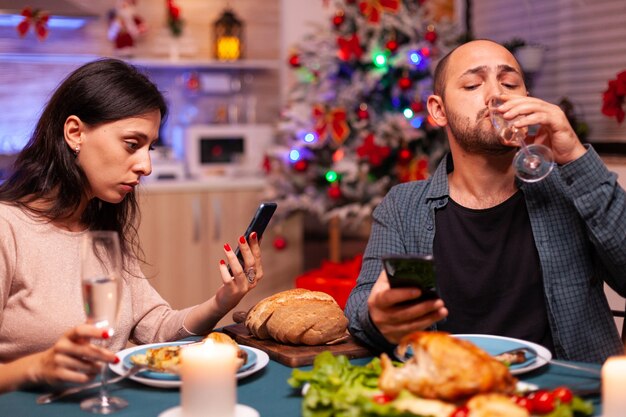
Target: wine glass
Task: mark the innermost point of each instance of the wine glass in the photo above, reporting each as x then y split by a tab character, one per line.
533	162
101	266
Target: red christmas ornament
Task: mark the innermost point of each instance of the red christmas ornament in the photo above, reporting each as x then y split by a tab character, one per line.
392	45
373	153
38	19
334	191
362	113
339	18
280	242
404	155
348	47
425	52
301	165
294	60
417	106
431	36
267	164
405	82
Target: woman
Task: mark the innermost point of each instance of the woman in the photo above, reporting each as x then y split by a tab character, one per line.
78	172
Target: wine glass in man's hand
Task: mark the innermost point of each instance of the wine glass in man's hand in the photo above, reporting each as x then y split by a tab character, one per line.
532	162
101	267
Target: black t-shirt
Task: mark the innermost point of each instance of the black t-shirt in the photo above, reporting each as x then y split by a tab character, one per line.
488	272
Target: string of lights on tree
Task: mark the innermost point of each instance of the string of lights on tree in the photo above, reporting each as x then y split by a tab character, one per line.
356	122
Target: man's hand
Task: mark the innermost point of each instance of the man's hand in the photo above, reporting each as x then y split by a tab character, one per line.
395	318
555	131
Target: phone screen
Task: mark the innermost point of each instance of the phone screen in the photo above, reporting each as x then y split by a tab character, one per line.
412	271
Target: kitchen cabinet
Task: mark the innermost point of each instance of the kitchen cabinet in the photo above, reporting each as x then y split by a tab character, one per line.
184	226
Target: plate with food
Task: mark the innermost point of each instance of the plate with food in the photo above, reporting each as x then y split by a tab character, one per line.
445	376
521	356
163	361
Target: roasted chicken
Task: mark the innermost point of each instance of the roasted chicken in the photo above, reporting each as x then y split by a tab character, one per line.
445	368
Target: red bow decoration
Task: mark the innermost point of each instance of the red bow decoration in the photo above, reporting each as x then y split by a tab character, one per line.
38	18
613	98
372	9
416	169
333	121
348	47
374	153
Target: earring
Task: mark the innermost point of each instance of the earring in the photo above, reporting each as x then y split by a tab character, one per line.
76	150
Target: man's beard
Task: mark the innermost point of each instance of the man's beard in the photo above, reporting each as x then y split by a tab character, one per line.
476	139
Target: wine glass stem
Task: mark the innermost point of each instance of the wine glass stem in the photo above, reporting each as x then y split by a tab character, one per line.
519	136
103	379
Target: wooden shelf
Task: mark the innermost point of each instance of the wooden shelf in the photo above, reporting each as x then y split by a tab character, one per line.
148	62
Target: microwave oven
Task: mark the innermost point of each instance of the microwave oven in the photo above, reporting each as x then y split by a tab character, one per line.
233	150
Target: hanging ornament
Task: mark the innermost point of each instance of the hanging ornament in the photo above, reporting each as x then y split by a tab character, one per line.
404	155
334	191
267	164
373	153
301	165
348	47
405	82
339	18
417	107
362	113
431	35
392	45
280	242
36	17
332	121
192	81
294	60
373	9
416	169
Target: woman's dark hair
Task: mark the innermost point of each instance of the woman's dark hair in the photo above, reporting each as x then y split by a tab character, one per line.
98	92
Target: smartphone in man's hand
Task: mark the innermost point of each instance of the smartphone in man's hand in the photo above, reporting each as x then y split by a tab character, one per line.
412	271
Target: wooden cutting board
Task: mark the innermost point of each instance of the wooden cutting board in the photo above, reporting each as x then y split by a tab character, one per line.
294	356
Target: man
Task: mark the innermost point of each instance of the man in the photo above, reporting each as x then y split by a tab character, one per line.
524	260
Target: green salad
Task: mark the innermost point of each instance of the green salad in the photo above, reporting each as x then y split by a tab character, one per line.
335	387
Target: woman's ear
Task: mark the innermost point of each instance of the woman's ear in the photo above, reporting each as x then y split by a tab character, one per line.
73	133
437	110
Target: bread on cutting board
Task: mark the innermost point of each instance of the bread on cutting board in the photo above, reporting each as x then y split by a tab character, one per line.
298	317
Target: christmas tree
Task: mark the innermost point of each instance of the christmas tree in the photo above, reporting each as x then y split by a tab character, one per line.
356	121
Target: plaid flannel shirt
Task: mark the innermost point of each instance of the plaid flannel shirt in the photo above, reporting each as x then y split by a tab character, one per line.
578	219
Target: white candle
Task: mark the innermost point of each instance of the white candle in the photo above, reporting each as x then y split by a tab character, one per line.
209	383
614	387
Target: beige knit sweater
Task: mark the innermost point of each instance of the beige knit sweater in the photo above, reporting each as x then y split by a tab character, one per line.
40	291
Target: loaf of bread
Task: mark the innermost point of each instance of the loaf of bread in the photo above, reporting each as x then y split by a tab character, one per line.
298	317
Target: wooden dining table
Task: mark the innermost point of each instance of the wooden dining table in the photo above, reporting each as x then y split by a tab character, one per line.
267	391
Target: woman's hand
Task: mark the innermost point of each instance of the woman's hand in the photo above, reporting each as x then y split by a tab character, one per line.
73	358
243	278
395	316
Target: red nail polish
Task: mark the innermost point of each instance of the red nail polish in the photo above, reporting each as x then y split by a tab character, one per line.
242	239
222	262
105	334
253	235
227	247
116	360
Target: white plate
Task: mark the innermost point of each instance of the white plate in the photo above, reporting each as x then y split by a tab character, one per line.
498	344
262	359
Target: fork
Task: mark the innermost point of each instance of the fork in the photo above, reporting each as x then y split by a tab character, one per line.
532	352
53	396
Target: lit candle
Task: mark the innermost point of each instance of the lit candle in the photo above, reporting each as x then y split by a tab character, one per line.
209	383
614	387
